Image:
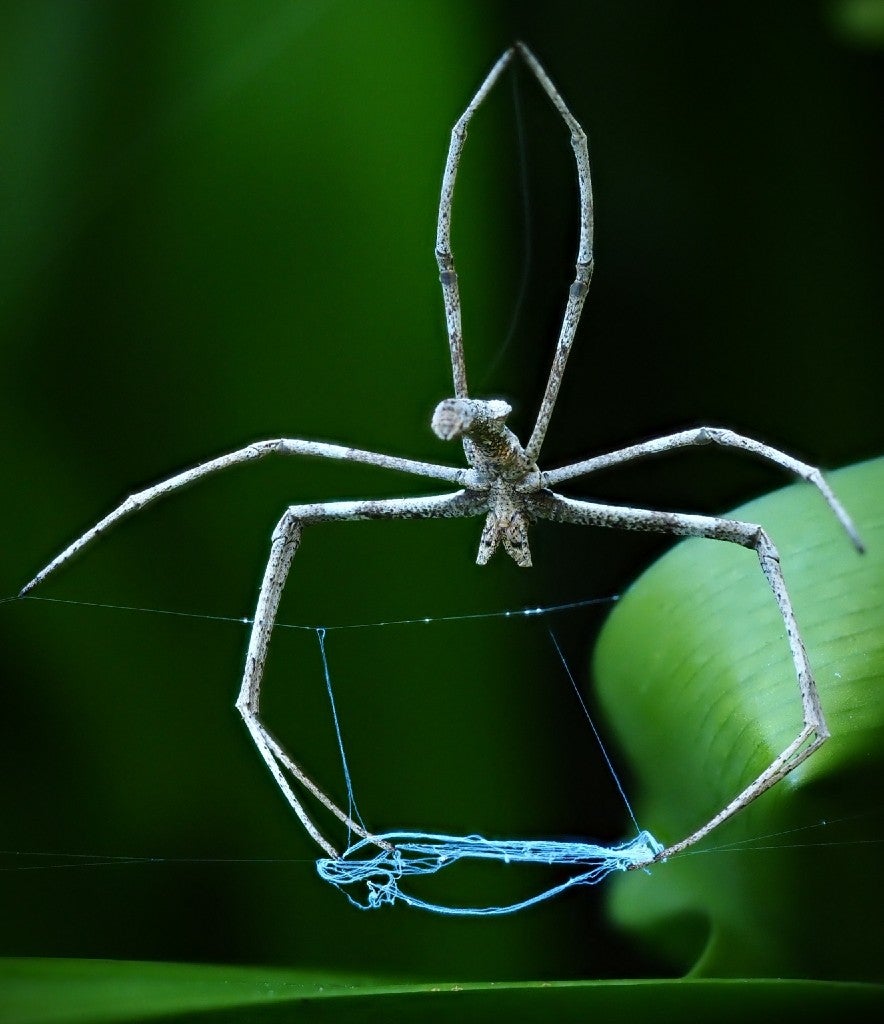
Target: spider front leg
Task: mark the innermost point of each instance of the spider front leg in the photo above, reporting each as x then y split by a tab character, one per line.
283	547
814	731
444	255
583	270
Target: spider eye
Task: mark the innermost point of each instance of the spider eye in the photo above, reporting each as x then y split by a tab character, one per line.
452	417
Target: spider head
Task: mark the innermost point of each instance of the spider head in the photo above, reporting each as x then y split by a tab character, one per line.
466	417
490	446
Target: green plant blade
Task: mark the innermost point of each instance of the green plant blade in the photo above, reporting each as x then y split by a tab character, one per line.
695	674
113	992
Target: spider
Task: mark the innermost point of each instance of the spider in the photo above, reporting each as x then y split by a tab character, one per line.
503	483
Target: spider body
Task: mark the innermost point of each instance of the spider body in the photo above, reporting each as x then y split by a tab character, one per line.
502	481
501	472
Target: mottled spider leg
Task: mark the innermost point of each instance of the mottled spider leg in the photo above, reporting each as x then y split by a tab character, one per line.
814	731
284	544
444	256
580	287
257	450
710	435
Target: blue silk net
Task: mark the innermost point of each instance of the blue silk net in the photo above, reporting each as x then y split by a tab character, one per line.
370	871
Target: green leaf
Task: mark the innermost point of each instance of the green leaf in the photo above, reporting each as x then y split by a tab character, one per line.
695	674
100	992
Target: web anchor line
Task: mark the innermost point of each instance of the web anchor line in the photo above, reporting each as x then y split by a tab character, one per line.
411	853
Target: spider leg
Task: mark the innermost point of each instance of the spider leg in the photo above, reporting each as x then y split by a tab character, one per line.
710	435
814	731
258	450
284	545
580	287
444	255
445	258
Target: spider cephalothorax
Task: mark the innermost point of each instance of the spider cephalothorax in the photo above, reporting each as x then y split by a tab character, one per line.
501	470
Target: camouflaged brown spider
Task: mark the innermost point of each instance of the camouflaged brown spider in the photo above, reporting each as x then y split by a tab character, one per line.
503	483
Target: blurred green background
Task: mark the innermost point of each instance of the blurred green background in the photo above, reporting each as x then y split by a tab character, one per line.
218	222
